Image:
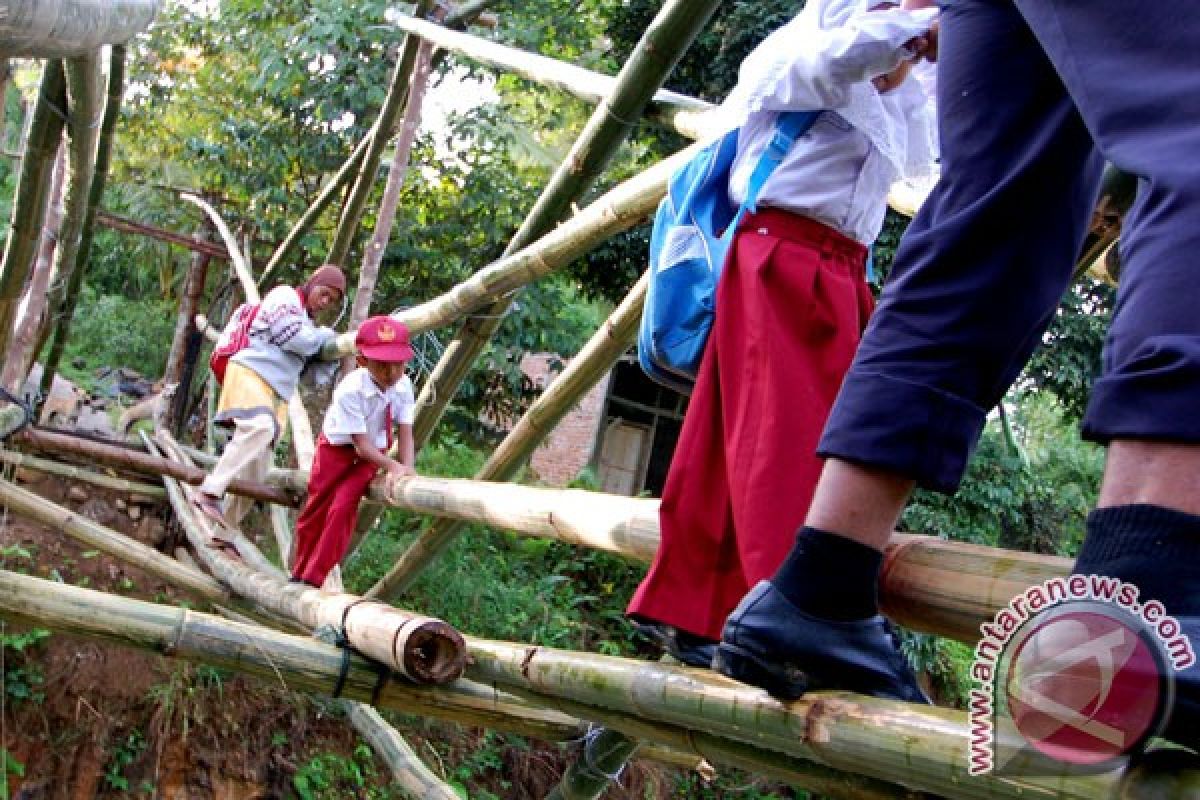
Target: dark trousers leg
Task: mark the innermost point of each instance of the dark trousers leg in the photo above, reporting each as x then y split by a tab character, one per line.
1133	70
985	262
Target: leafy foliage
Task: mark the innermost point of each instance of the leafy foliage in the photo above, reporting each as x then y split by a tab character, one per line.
328	775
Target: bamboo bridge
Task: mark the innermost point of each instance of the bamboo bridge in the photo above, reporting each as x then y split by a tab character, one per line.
835	744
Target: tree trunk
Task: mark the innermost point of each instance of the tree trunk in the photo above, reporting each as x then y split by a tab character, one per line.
33	190
186	340
369	274
33	306
68	28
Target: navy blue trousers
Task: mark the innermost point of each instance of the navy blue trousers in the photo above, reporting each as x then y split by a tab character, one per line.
1033	96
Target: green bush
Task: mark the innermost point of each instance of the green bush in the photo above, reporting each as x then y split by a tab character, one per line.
116	331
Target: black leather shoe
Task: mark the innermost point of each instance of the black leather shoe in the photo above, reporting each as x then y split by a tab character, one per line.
769	643
686	648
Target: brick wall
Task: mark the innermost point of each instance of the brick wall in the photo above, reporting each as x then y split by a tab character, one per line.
569	447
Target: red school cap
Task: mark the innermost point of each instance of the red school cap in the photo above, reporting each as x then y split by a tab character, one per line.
383	339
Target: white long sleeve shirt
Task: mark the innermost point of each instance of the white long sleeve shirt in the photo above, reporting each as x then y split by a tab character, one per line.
282	338
838	172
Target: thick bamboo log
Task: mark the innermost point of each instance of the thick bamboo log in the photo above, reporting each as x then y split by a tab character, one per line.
113	455
618	210
32	192
301	663
676	111
80	474
83	133
597	357
59	28
921	747
655	55
927	584
422	649
393	103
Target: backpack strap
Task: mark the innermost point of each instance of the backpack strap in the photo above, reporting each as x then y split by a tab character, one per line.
789	126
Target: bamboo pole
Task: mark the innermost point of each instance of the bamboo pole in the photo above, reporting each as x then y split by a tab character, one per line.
368	273
50	442
422	649
618	210
318	206
352	211
186	340
81	474
301	663
77	266
92	534
920	747
59	28
408	771
27	323
681	113
660	48
605	753
33	186
596	358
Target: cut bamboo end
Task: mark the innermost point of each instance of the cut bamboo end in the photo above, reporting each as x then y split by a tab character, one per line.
431	651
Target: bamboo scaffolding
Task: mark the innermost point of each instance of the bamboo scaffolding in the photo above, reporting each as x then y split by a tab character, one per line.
33	188
597	357
113	455
301	663
921	747
83	133
678	112
618	210
661	46
422	649
80	474
59	28
393	103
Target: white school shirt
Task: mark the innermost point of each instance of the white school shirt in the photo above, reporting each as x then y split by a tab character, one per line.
360	406
839	172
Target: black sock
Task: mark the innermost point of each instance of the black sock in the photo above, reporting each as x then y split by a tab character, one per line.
1156	549
830	576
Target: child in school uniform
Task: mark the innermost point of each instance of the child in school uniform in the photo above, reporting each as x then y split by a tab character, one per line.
791	305
353	446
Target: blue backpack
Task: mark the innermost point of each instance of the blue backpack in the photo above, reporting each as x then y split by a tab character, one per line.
693	229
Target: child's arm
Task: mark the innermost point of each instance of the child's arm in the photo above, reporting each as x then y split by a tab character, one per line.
367	451
802	67
406	448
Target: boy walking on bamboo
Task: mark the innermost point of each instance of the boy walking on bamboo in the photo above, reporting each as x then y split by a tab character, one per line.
353	446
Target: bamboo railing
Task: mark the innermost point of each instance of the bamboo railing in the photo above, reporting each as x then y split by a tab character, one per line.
49	467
